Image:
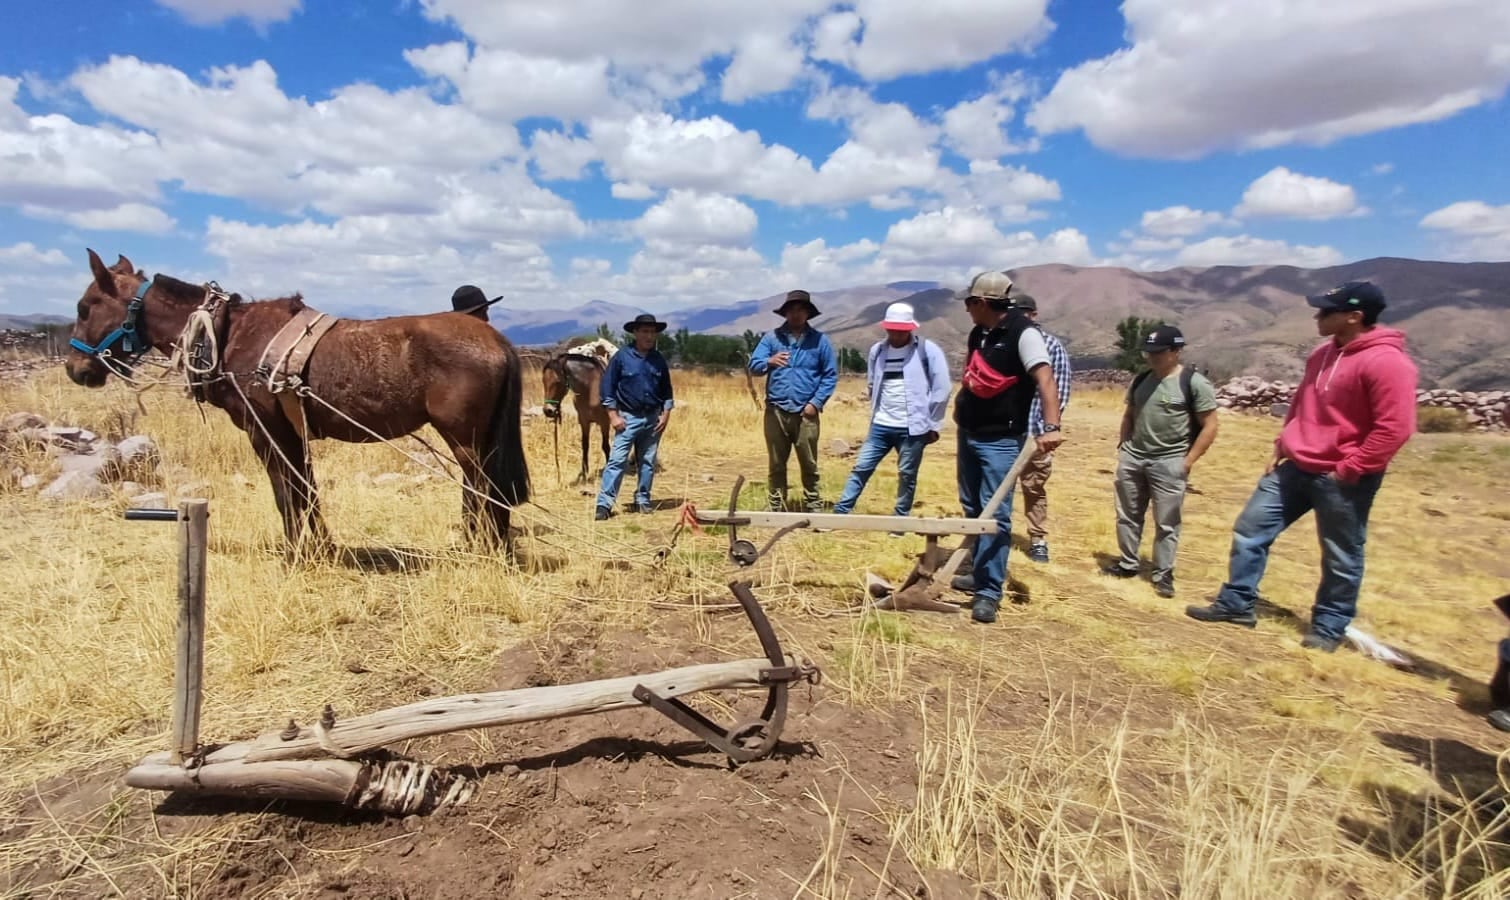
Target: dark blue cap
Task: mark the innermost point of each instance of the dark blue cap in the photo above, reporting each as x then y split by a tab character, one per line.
1363	296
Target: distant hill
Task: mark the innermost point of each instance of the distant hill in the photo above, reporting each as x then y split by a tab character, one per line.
28	323
1239	320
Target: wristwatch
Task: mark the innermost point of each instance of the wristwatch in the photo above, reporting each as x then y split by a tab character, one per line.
1049	428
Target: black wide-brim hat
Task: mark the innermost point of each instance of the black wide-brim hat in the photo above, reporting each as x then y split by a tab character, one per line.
802	297
644	319
469	297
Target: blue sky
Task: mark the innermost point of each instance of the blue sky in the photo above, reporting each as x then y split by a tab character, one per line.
696	152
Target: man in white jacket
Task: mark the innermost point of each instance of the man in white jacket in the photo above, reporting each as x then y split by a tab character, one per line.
909	385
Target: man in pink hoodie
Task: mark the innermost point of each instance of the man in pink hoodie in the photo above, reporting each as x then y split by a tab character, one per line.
1355	408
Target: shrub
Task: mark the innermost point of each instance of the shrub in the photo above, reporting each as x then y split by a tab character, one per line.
1441	419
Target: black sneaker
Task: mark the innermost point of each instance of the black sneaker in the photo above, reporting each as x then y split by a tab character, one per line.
1164	587
1039	552
1500	719
1314	641
983	610
964	583
602	514
1115	570
1219	613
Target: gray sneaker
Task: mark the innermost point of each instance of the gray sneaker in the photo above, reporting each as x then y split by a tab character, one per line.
1038	551
1314	641
964	583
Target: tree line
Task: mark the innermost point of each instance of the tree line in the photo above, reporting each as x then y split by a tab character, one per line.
727	351
717	350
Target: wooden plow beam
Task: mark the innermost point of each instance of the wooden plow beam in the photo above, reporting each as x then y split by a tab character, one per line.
342	761
929	580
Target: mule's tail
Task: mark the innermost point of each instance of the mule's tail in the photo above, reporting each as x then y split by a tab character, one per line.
507	468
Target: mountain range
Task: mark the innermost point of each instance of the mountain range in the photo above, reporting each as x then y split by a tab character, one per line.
1237	320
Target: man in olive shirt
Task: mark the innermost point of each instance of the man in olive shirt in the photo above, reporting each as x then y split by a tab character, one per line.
1167	426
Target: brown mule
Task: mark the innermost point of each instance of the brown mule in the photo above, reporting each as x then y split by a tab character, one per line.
581	376
393	376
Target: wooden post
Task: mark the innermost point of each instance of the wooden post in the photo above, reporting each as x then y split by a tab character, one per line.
193	540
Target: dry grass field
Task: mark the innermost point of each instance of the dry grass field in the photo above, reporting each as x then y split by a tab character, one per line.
1093	743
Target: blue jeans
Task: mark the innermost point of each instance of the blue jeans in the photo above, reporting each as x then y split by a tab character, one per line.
881	440
1283	496
981	465
638	435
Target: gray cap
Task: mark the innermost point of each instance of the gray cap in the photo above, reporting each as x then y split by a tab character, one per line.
988	286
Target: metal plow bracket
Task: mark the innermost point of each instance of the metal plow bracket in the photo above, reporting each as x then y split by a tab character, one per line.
753	738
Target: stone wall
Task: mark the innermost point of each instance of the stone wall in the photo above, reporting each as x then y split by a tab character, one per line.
1485	410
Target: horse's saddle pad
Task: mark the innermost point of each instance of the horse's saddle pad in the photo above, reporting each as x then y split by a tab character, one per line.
289	351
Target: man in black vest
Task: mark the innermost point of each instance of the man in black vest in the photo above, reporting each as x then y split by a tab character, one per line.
471	300
1006	364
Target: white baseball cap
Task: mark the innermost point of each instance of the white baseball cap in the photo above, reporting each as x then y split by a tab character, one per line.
899	317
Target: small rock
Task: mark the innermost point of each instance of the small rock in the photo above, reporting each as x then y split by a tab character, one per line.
19	421
1279	410
131	489
532	412
413	823
194	490
509	771
388	478
139	457
549	841
28	482
355	667
76	486
242	481
153	500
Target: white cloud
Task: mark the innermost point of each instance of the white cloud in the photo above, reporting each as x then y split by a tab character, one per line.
560	156
238	135
821	266
28	254
686	217
1010	191
1383	168
707	154
54	162
1472	229
764	63
213	12
952	237
1179	221
133	217
1281	193
1243	250
1205	74
903	37
977	129
881	127
513	85
678	34
632	190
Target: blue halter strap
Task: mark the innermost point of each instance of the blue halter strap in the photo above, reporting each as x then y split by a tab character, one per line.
133	345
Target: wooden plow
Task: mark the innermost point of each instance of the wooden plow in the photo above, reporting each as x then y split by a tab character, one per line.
929	580
342	761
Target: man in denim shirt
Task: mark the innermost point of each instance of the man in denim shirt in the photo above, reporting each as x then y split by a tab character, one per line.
908	377
801	373
636	391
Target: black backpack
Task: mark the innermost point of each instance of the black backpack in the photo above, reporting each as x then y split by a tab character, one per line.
1187	374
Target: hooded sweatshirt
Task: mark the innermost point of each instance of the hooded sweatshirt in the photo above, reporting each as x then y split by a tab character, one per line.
1355	407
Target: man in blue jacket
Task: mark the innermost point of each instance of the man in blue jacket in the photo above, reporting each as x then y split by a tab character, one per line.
636	390
908	377
801	373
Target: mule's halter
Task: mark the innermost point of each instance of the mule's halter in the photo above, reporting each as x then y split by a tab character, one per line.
133	345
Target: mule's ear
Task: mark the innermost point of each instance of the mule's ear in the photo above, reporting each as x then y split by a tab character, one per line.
102	277
123	265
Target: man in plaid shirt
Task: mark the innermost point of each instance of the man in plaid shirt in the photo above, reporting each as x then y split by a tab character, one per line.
1035	474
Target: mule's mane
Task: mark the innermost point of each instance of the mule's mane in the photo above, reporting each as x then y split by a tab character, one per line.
182	292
